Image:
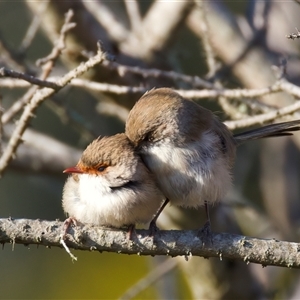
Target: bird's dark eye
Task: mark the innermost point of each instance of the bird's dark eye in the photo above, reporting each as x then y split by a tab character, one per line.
148	137
101	168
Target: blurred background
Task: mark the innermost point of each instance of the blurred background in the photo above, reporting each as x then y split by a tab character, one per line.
243	41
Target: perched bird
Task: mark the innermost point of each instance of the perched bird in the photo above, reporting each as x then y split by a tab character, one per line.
188	149
110	186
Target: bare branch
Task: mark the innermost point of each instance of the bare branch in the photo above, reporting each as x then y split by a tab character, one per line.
60	43
48	65
278	86
270	114
4	72
249	64
18	105
194	81
263	118
170	243
212	92
37	99
106	87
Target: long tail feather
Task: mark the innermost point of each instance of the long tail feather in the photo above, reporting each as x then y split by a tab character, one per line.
273	130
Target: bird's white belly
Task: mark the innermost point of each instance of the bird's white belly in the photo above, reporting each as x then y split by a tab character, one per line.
191	175
91	200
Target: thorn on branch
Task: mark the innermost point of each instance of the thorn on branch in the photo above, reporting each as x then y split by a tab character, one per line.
294	36
101	49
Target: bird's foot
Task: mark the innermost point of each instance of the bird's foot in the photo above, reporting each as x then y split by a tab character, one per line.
205	234
67	224
131	231
153	229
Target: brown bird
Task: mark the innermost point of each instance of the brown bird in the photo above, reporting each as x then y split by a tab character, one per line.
111	186
188	149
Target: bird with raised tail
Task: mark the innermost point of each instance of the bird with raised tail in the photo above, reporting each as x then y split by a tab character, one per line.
188	149
110	186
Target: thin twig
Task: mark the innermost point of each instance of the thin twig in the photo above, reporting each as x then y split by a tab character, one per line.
263	118
60	43
194	81
212	92
37	99
4	72
49	62
278	86
270	114
117	89
281	85
18	105
106	87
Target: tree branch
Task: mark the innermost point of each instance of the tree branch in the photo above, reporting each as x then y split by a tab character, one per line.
4	72
270	113
171	243
37	99
281	85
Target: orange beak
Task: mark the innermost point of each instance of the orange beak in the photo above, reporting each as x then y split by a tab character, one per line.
73	170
